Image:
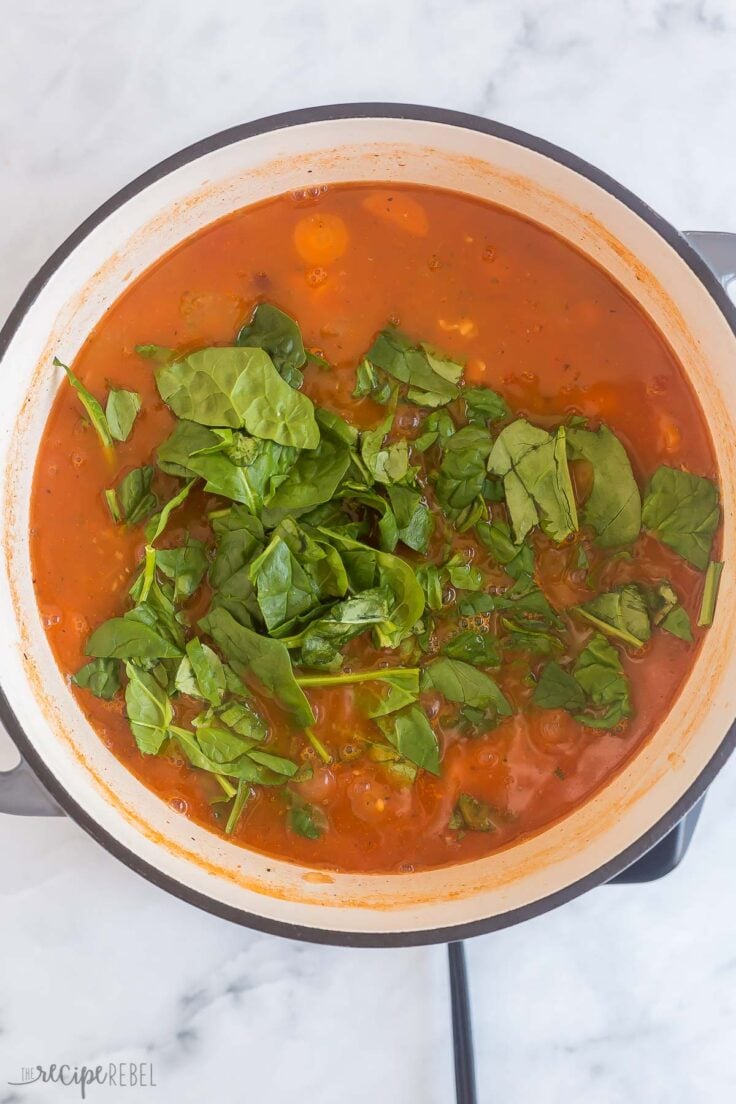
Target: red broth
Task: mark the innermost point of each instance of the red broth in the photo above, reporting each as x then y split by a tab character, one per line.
531	318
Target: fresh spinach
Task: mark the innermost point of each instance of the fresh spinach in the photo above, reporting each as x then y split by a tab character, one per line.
682	510
266	659
271	329
710	594
148	710
411	734
621	613
462	472
613	507
459	682
238	388
537	484
484	405
94	411
101	677
121	411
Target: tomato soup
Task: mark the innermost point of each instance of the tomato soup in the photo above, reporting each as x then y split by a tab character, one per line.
376	526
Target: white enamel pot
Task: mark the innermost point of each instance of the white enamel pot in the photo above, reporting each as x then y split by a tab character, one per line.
659	268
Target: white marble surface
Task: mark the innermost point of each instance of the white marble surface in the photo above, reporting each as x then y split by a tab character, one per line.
627	996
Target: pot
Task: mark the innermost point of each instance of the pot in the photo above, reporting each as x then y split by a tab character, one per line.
660	268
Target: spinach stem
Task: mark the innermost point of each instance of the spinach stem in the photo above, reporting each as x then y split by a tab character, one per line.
361	676
148	572
226	786
710	594
318	746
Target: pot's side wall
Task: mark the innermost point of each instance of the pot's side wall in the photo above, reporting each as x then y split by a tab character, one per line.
99	270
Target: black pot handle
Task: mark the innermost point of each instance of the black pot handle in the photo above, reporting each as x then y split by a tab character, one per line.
22	793
718	250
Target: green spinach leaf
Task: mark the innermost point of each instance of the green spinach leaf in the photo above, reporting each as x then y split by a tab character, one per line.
411	734
271	329
621	613
121	412
459	682
682	510
267	660
533	465
613	507
148	710
239	388
101	677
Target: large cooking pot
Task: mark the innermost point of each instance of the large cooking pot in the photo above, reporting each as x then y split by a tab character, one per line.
658	267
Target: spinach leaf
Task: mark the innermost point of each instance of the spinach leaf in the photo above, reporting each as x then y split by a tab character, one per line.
613	507
432	379
386	463
306	820
187	439
710	595
134	495
621	613
682	510
94	411
462	472
271	329
459	682
284	589
186	566
207	750
437	428
596	691
242	796
242	718
101	677
312	481
665	610
411	734
516	559
378	699
462	573
239	388
558	689
201	673
240	539
148	710
536	479
598	670
471	646
372	383
267	660
322	640
414	522
472	814
159	521
159	354
121	412
484	405
128	637
530	636
389	572
428	577
525	597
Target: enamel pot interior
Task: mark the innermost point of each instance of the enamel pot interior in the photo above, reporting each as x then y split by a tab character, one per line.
89	272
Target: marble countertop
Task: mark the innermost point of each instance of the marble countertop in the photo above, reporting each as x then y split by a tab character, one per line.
626	996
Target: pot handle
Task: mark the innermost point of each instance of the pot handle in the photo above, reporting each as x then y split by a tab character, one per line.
20	790
21	793
718	250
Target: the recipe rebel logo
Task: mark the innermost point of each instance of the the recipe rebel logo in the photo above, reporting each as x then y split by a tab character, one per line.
119	1075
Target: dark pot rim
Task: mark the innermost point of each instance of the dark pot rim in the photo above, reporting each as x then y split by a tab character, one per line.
240	916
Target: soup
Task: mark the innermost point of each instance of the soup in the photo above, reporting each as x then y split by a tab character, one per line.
375	528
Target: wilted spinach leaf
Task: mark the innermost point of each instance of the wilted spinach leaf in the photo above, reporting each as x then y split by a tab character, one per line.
459	682
239	388
613	507
621	613
411	734
271	329
484	405
682	510
101	677
266	659
462	472
121	412
536	479
148	710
